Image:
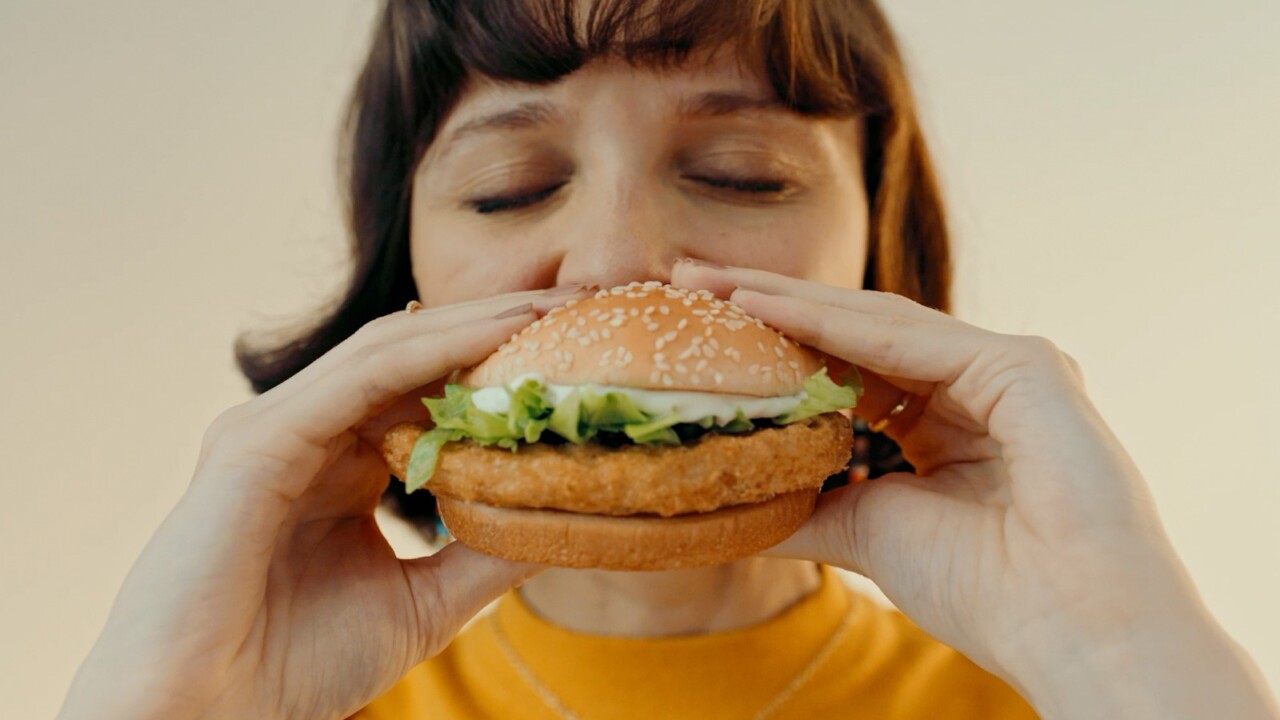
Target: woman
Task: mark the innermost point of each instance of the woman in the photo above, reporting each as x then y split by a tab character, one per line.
506	156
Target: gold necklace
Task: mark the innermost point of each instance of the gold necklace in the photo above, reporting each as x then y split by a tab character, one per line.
559	708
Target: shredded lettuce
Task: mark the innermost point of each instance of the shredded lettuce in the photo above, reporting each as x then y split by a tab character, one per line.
824	395
584	415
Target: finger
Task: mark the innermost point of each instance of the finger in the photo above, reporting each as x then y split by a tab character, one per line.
722	281
377	374
405	324
452	585
406	409
881	396
846	523
893	346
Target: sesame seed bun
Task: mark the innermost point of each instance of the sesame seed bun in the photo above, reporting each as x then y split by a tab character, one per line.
710	500
652	336
578	540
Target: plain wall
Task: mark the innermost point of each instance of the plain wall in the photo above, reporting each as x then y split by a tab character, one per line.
167	180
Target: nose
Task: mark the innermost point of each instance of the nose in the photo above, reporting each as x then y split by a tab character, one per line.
618	235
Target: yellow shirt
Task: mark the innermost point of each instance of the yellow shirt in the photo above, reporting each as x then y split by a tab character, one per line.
882	667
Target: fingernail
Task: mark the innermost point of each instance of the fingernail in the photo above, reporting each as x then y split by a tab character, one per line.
570	289
701	263
514	312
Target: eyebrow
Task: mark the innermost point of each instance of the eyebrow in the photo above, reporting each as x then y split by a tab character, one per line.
715	104
525	115
540	112
535	113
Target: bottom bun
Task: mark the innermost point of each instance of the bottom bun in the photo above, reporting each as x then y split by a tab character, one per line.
566	539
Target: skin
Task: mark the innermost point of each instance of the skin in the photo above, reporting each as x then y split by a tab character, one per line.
1028	541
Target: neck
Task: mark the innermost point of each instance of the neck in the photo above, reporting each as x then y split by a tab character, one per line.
672	602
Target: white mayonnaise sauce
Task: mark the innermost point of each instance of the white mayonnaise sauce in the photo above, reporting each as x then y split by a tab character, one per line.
690	405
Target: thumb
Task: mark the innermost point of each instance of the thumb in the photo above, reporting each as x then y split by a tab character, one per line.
828	536
452	585
846	522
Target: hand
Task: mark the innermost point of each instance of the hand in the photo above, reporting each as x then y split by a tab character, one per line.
269	592
1027	538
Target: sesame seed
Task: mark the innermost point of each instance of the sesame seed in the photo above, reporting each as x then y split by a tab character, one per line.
782	339
714	343
595	335
760	345
659	343
617	321
649	310
572	333
606	333
651	327
793	365
686	302
634	312
581	321
570	304
778	351
719	378
699	312
659	357
684	323
584	341
664	309
666	380
682	369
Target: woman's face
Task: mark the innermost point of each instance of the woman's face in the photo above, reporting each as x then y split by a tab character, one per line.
614	172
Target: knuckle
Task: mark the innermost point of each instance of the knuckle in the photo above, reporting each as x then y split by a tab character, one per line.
1074	366
1041	352
225	424
1038	349
370	365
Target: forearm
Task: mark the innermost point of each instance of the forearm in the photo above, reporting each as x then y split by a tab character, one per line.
1189	669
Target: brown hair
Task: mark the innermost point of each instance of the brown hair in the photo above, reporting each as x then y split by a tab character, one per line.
823	57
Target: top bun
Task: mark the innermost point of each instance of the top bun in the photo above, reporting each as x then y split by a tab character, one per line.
652	336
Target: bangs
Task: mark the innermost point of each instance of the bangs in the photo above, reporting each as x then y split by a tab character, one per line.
804	46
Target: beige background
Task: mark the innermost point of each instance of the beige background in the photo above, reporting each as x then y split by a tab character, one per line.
166	180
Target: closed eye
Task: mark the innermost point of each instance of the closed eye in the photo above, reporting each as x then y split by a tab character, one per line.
758	186
490	205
